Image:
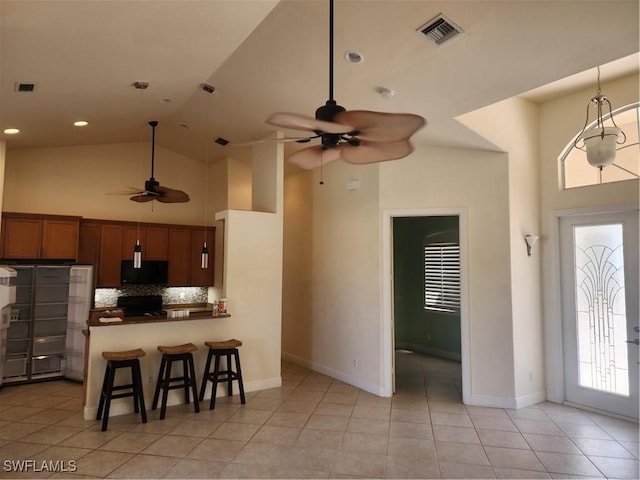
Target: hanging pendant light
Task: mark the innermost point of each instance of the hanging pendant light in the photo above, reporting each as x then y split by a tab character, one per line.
598	141
204	255
137	255
137	249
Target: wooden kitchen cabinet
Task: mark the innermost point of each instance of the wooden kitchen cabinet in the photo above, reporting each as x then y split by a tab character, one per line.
157	246
130	235
179	256
29	236
110	255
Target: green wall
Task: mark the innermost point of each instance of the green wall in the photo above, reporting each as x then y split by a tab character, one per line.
416	329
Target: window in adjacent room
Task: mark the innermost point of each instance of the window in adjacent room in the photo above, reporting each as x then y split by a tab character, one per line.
442	277
576	172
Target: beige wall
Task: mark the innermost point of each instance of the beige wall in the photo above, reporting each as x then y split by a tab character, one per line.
513	126
478	181
79	180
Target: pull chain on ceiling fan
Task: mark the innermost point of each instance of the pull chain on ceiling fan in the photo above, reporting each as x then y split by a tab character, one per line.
357	136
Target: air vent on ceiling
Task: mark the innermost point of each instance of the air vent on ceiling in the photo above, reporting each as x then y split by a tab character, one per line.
440	29
25	87
221	141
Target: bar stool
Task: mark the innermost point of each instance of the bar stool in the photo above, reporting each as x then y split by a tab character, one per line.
188	379
115	360
226	348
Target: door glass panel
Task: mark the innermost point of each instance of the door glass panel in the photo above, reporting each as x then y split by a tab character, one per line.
600	308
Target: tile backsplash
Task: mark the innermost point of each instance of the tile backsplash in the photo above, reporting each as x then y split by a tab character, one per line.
108	297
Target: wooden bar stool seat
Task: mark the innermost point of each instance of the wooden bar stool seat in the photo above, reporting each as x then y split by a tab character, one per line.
166	382
228	349
115	360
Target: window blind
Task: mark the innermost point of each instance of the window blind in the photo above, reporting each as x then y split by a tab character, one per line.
442	277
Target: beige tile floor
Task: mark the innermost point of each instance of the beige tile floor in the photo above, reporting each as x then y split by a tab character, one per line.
317	427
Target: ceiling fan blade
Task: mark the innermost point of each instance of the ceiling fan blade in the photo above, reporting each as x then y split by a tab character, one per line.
303	122
372	152
311	157
382	127
170	195
143	198
131	191
272	140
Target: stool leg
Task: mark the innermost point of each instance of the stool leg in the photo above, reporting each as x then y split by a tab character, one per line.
103	392
185	379
165	388
192	381
163	364
239	376
137	389
214	380
109	392
205	376
229	376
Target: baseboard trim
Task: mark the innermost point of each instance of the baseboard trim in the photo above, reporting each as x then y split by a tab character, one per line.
512	403
343	377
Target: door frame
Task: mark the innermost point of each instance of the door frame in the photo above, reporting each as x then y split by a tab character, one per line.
553	327
387	341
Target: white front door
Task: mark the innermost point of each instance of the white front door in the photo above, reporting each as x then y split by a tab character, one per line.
599	262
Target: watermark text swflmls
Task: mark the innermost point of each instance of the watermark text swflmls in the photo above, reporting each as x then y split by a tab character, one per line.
54	466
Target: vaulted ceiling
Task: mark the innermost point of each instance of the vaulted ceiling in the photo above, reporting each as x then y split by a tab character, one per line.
264	56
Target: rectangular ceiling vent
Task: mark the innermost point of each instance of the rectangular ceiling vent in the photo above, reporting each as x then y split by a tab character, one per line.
440	30
24	87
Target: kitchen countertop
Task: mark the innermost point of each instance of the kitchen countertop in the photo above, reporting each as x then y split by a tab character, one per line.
194	314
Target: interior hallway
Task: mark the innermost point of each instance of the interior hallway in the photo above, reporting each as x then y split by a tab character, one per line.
317	427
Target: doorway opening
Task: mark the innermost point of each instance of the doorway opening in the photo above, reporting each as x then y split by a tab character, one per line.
425	304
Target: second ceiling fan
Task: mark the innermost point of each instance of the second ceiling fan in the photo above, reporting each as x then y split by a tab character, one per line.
357	136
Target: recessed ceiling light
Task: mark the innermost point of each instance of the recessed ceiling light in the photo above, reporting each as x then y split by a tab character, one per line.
11	131
386	92
353	57
81	123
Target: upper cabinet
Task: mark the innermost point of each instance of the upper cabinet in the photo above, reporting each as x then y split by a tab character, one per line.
105	243
27	236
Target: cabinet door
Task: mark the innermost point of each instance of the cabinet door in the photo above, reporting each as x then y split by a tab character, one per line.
179	256
202	277
157	246
110	256
22	238
130	235
60	239
89	243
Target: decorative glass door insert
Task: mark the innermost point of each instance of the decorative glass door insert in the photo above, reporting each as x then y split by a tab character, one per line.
599	273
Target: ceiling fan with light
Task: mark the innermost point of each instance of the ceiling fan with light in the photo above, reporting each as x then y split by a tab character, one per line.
357	136
152	189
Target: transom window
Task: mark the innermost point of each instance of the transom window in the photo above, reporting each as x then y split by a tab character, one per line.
442	277
576	172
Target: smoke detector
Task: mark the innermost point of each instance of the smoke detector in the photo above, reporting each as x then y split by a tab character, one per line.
440	30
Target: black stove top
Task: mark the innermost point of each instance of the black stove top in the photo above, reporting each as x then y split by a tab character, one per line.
142	305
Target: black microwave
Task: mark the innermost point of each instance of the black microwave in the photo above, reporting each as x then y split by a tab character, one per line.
151	272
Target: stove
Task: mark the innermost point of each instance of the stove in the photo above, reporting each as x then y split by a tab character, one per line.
142	305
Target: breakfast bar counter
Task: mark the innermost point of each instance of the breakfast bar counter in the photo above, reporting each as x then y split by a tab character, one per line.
109	331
